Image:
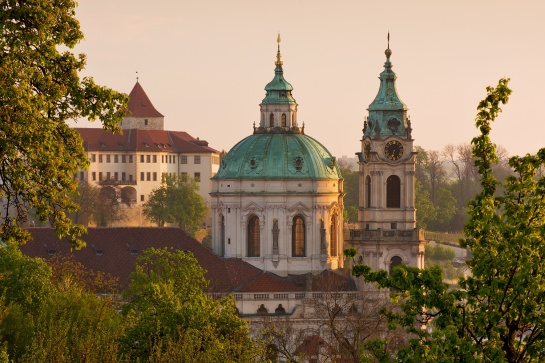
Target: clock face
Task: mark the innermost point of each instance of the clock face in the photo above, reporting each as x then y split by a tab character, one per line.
393	150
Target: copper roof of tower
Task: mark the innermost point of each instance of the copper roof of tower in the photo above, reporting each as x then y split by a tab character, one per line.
140	105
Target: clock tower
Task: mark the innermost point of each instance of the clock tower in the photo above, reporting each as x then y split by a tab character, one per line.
387	216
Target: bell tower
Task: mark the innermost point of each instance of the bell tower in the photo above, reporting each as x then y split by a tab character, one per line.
387	160
387	216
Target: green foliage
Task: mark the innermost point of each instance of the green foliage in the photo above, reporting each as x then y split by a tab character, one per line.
435	205
439	253
168	314
350	252
42	321
177	200
40	89
496	316
351	197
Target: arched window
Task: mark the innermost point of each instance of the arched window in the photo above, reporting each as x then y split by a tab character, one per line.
333	239
283	120
393	192
298	237
395	261
223	236
368	190
253	237
271	120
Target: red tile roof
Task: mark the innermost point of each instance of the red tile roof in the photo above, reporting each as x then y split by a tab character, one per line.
95	139
140	105
114	251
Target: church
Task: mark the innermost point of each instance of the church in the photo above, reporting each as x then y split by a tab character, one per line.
277	199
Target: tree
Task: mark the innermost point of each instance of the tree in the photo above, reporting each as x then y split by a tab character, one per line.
170	318
177	200
40	89
497	314
54	317
351	197
435	205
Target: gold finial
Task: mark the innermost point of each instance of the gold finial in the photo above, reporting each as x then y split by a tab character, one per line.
278	55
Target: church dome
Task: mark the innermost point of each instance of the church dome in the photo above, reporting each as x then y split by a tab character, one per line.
278	156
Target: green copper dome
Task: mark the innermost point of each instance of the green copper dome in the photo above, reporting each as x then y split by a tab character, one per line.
278	156
278	90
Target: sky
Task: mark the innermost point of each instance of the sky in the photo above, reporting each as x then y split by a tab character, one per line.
204	64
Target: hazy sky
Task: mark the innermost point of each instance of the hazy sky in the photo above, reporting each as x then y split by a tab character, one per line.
204	64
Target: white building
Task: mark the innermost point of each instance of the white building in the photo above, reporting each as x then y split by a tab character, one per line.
136	160
277	197
387	215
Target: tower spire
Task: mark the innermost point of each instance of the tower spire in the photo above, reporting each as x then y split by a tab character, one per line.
278	55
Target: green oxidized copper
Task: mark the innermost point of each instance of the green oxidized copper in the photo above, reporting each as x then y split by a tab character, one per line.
278	90
387	113
278	156
278	152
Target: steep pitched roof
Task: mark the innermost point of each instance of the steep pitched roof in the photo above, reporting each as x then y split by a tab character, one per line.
140	105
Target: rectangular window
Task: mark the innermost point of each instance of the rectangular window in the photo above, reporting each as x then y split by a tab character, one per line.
183	159
93	158
154	176
198	177
162	158
100	158
108	175
141	197
115	175
115	159
146	122
100	176
123	159
141	158
154	158
123	175
148	158
81	176
149	176
107	158
130	158
130	177
197	159
142	176
94	176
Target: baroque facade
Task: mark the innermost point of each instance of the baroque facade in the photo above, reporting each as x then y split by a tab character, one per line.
277	197
387	234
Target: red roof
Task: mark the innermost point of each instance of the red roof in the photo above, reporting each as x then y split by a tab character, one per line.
140	105
114	250
95	139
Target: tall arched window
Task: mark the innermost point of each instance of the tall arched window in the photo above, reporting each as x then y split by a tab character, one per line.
253	237
223	236
271	120
368	190
395	261
393	192
283	120
333	239
298	237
